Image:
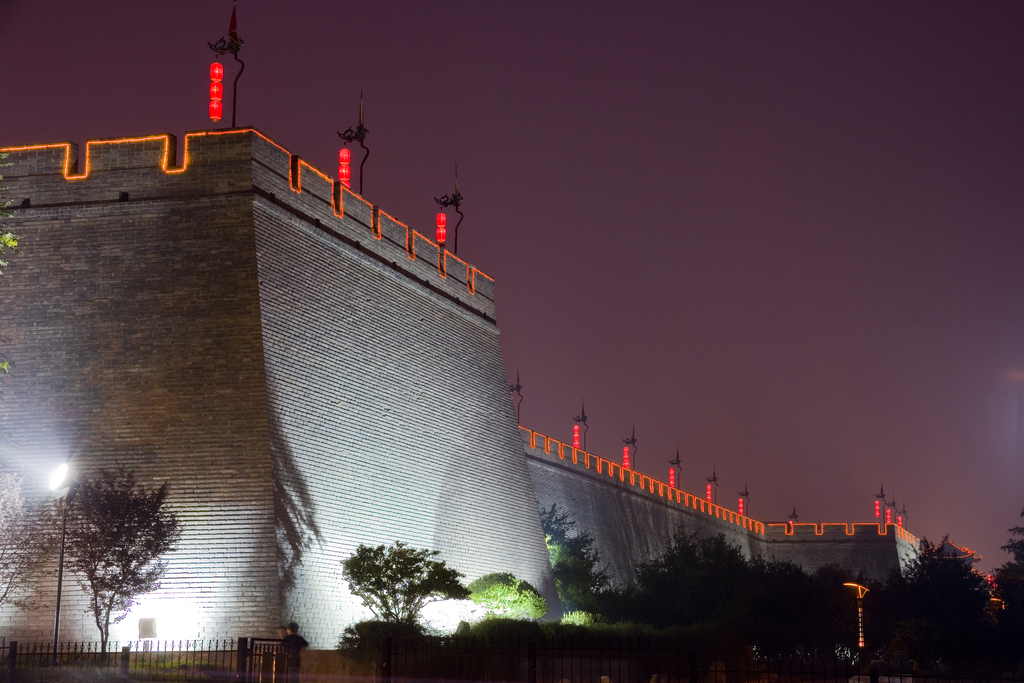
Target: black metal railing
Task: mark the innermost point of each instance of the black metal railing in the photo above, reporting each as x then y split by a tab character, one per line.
641	660
143	660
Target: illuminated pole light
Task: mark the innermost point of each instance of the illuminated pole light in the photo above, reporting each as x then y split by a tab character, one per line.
625	457
442	220
672	477
899	521
344	169
861	590
709	493
741	506
878	509
216	91
575	431
888	515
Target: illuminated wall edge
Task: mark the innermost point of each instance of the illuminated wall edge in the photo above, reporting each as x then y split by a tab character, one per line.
318	183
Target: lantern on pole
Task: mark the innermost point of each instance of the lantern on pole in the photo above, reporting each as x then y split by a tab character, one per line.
888	515
672	477
878	509
344	167
442	220
625	457
216	91
575	436
741	506
709	493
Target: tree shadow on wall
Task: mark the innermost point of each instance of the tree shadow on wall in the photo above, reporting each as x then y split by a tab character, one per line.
294	510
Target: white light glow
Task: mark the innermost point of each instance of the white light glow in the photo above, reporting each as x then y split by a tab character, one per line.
57	478
444	616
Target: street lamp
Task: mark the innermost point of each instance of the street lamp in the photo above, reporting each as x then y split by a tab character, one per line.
67	487
861	590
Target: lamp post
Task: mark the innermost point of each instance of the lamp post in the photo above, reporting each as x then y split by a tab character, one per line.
861	590
65	498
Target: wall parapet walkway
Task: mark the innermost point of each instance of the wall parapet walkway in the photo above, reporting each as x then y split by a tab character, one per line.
425	260
632	478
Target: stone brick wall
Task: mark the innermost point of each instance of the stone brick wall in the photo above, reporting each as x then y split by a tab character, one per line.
633	518
306	372
871	551
390	417
133	320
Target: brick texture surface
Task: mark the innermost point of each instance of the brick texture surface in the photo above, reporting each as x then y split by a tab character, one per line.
306	372
633	519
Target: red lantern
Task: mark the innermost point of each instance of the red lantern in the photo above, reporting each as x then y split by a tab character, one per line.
672	477
709	493
442	233
575	431
625	457
899	521
216	91
878	509
344	171
888	515
741	507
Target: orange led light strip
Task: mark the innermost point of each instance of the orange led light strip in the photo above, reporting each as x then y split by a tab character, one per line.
295	167
646	483
850	529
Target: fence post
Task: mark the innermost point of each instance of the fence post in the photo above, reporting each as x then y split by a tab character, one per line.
12	661
125	658
242	660
531	662
385	659
874	674
691	655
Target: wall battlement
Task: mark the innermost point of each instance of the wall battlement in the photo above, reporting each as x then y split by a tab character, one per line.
632	478
326	202
836	530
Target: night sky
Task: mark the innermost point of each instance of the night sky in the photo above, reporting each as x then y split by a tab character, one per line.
786	237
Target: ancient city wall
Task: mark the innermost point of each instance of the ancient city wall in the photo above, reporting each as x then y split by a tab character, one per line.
390	416
632	517
132	318
307	372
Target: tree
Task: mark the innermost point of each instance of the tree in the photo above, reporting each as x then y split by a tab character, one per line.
395	582
574	560
937	609
25	545
118	531
1009	589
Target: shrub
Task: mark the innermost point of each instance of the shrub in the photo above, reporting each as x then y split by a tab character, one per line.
362	640
582	619
516	629
506	596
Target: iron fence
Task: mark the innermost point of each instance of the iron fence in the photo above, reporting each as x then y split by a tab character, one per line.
640	660
142	660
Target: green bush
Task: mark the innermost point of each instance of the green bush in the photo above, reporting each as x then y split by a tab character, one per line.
518	629
582	619
362	640
506	596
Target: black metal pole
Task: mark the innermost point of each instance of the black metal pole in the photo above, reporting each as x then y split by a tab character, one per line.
60	580
234	95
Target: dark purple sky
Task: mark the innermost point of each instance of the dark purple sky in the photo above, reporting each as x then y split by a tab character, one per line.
785	236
